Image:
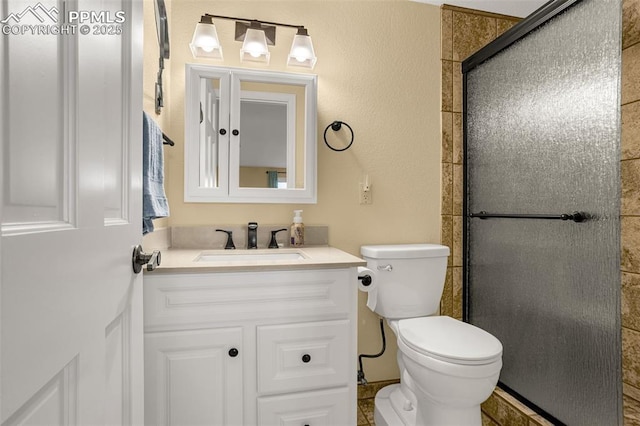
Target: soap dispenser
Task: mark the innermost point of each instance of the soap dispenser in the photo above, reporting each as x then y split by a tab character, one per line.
297	230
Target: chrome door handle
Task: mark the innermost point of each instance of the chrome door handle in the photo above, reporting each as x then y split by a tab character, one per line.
140	258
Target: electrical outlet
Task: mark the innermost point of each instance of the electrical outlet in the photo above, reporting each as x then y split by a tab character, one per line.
365	194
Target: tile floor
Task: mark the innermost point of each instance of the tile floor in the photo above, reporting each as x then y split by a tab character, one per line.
366	395
502	407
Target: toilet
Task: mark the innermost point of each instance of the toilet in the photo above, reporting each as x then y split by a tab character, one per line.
447	367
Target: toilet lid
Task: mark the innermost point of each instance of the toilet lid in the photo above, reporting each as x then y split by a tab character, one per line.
446	338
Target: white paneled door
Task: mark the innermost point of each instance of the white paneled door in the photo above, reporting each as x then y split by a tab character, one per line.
70	187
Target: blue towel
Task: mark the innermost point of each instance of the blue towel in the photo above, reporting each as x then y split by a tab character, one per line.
154	200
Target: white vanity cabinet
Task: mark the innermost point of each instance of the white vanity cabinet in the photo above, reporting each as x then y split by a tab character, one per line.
251	348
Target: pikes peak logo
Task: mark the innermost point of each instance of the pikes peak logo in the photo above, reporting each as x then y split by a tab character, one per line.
37	11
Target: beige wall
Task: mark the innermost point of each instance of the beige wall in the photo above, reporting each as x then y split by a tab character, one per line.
462	27
378	70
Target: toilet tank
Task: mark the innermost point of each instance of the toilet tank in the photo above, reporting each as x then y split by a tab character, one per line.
409	278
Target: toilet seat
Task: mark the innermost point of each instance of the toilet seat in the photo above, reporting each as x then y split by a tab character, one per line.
449	340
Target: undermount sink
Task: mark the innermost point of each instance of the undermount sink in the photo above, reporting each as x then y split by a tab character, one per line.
248	256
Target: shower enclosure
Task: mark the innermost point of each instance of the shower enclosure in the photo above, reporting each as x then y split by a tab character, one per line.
541	229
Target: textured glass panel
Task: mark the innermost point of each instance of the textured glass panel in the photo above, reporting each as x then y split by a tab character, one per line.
543	138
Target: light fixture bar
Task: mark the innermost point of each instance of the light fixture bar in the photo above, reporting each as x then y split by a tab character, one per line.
252	20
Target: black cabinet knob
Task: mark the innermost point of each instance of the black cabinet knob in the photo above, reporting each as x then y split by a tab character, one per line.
306	358
233	352
235	132
223	132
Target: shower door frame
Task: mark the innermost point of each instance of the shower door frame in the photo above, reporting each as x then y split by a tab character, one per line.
538	18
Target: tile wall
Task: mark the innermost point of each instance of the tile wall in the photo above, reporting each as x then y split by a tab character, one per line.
630	210
463	32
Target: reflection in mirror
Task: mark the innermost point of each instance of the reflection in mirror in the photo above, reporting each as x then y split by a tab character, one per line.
209	128
266	134
272	140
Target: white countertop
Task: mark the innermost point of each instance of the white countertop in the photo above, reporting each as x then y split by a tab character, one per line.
186	261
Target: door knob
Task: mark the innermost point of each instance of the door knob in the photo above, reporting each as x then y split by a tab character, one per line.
140	258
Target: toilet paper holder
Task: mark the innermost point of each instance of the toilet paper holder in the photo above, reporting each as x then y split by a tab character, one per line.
366	280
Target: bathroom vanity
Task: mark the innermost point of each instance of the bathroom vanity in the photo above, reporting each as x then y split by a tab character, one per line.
251	337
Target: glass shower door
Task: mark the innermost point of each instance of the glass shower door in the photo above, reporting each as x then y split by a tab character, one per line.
542	137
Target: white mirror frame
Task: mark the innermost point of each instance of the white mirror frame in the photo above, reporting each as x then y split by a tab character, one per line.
228	190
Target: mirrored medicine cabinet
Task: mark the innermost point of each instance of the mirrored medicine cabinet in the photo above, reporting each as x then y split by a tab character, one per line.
250	136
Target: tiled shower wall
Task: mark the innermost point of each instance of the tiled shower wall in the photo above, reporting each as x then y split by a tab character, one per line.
630	210
463	32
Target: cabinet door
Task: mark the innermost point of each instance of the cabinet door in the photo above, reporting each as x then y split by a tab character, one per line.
273	122
207	151
194	377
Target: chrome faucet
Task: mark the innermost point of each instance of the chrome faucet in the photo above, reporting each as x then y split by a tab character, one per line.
252	235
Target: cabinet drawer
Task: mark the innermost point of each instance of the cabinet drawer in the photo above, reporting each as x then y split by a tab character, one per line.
174	301
293	357
320	408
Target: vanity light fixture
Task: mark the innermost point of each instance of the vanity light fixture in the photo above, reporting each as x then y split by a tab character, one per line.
254	46
256	36
205	43
302	53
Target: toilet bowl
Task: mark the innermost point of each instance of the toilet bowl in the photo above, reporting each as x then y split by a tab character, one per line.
454	367
447	367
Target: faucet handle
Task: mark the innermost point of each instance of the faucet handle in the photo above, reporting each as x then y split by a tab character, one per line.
229	245
274	243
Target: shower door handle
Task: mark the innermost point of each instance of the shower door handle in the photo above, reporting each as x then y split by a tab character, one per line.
575	216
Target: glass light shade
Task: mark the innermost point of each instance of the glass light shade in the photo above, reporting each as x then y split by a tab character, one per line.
302	53
205	43
254	47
